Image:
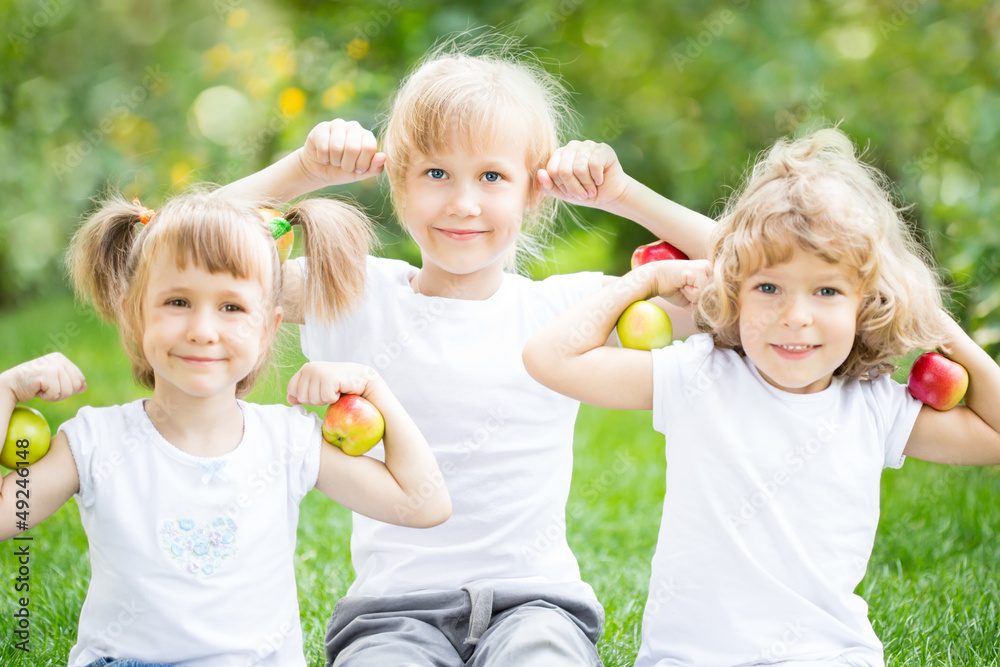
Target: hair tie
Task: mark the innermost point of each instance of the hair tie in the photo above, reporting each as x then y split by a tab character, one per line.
281	231
146	215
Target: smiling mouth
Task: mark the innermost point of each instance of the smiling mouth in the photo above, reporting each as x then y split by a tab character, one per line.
461	234
203	361
794	351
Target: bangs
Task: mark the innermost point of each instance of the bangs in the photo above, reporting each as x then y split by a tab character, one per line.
781	217
474	118
216	239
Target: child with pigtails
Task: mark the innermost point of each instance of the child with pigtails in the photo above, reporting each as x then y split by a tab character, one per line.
190	498
474	151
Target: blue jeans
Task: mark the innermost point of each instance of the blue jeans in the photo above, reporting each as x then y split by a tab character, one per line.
124	662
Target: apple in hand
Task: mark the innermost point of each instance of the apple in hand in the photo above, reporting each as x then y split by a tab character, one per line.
937	381
644	326
353	424
655	252
28	437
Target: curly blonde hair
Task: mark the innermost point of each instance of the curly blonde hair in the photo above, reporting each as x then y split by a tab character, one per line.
479	90
815	193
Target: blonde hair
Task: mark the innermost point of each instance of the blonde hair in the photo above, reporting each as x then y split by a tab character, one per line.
480	90
815	193
111	256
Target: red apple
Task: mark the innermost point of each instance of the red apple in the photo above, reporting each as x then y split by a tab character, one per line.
655	252
937	381
28	437
644	326
353	424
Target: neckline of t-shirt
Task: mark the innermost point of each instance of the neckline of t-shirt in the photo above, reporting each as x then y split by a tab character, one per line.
791	397
184	457
454	306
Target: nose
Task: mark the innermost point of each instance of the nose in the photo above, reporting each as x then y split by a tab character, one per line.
795	311
464	201
201	326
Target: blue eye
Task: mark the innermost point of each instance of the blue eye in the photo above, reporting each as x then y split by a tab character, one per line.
492	177
828	291
767	288
436	173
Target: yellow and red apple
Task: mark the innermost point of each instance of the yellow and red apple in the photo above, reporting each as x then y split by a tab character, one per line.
644	326
281	231
353	424
28	438
655	252
937	381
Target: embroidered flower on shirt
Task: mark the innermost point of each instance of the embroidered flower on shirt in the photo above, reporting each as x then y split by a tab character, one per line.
199	549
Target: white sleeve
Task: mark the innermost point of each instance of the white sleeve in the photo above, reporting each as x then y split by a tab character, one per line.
85	433
680	371
565	290
305	435
898	412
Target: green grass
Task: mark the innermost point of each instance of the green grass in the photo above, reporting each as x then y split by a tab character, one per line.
932	585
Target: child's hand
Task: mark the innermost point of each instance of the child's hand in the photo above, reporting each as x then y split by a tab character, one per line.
51	378
322	382
679	281
584	173
339	151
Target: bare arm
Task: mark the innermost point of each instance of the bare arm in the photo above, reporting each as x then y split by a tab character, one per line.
32	494
967	434
589	174
335	153
408	489
569	354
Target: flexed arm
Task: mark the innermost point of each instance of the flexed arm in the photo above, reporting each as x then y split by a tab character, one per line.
587	173
30	495
967	434
336	152
408	489
568	354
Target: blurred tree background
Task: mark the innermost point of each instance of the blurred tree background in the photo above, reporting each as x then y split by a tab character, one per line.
151	97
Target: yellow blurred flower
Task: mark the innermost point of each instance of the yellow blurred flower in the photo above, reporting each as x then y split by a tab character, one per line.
282	61
216	60
237	18
336	95
291	101
180	173
358	48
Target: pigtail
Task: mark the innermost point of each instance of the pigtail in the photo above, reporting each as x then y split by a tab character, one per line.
98	254
336	239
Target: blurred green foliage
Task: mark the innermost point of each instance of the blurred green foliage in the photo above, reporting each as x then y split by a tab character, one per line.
149	97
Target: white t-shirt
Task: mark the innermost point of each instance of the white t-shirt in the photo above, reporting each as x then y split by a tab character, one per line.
770	513
191	558
504	442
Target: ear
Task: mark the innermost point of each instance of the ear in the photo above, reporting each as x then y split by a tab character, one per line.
278	313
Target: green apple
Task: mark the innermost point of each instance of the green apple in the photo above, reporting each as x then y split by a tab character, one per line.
28	437
644	326
353	424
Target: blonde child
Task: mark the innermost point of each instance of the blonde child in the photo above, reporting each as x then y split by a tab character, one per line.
190	498
779	419
472	152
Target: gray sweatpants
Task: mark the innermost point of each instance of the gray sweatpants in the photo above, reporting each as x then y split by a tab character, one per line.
471	627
